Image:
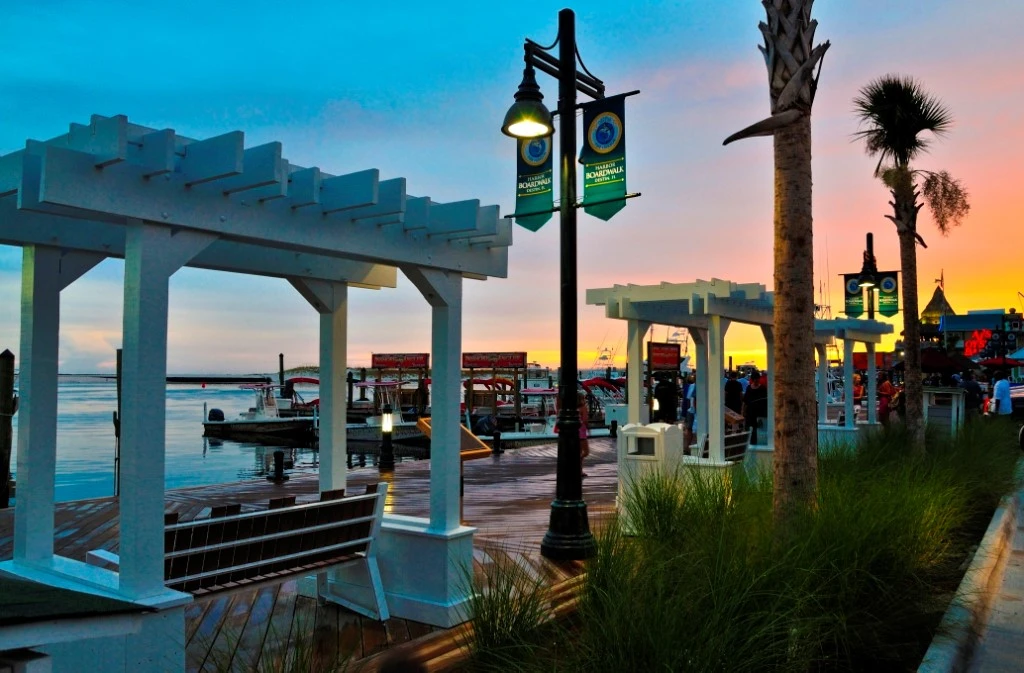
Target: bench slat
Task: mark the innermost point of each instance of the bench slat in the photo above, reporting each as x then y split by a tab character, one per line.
286	561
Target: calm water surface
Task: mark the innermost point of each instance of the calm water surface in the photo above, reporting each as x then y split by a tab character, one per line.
85	439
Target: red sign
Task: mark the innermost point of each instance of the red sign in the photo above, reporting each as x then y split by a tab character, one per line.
977	342
663	357
493	360
400	361
882	361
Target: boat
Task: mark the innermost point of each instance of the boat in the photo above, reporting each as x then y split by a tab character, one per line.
543	429
281	416
385	393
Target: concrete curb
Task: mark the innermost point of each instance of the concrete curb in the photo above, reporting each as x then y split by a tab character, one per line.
964	621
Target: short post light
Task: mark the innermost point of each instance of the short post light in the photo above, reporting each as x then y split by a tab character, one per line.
387	450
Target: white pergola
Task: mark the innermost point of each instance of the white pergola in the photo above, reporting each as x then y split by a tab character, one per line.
162	201
851	331
707	309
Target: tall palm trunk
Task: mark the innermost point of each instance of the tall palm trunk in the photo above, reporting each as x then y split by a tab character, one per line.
905	209
791	58
796	429
913	387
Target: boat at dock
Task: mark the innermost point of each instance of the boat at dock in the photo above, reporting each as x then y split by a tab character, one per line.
280	415
541	427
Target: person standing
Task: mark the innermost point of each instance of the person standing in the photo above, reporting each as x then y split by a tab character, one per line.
972	395
584	411
755	404
858	394
1001	396
691	408
885	392
734	393
667	395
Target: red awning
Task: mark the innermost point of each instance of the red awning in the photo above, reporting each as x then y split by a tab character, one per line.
1001	362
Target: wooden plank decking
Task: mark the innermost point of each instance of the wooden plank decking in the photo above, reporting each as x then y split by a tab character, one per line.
507	498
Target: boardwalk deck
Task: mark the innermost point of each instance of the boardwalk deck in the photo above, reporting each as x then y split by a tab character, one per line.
507	497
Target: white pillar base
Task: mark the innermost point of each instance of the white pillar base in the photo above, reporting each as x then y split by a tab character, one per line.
427	575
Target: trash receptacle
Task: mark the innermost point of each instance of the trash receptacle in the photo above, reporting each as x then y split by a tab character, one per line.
645	449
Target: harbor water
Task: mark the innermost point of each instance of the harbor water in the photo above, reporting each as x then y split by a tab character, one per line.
85	438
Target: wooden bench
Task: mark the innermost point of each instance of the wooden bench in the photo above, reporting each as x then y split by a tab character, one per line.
735	446
235	550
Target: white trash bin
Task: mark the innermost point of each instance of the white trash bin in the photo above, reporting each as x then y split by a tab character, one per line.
645	449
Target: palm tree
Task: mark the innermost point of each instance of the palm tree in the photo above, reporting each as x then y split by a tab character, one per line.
792	82
894	111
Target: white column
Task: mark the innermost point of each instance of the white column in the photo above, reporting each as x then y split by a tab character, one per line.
700	419
715	383
333	395
848	382
331	302
443	290
872	391
635	331
152	254
822	382
44	273
769	421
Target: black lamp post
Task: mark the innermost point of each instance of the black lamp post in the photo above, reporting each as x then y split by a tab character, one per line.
387	452
869	274
568	536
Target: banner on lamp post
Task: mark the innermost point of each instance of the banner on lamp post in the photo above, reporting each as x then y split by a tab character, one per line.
534	182
854	295
604	156
888	293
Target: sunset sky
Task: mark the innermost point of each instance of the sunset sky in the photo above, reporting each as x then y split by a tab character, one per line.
419	90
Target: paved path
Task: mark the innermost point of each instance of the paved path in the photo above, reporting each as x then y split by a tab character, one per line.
1002	644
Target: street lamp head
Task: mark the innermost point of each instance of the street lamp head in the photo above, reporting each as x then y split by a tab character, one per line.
528	117
387	419
868	271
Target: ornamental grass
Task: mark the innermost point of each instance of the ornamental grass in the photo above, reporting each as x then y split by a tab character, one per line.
705	582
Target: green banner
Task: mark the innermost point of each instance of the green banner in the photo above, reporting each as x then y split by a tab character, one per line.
888	293
604	156
854	295
533	182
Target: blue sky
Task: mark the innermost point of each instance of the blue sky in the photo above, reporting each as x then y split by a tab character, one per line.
419	89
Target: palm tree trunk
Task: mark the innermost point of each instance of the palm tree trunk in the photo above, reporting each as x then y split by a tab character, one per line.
796	429
913	387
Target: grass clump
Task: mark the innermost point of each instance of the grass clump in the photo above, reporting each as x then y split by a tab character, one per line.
704	581
509	609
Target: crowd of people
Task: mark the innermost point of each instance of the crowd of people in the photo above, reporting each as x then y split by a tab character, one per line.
746	394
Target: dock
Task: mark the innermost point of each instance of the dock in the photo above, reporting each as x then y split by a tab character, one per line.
507	497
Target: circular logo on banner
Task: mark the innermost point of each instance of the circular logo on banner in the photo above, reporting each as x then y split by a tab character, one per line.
605	132
852	286
536	151
888	284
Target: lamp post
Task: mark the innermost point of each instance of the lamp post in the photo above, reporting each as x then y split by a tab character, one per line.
387	452
869	274
568	536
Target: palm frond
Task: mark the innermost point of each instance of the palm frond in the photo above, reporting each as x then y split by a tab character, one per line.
894	110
